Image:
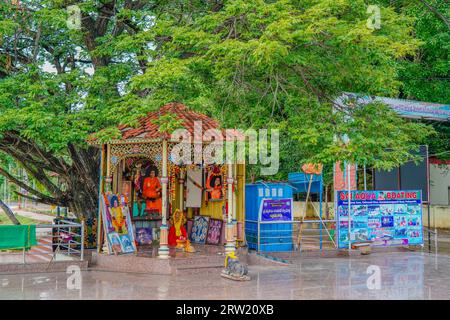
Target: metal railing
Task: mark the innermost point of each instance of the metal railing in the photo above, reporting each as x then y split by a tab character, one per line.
264	236
65	238
307	235
430	240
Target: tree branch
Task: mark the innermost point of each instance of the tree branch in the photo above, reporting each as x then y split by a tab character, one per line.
24	186
436	12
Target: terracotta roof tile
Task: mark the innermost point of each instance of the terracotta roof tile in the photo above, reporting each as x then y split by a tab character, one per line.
149	130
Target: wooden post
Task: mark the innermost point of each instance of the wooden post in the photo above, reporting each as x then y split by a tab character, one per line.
163	252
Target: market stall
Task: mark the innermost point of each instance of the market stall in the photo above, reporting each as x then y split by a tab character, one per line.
147	200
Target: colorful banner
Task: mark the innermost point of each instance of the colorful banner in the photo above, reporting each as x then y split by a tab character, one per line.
276	209
384	218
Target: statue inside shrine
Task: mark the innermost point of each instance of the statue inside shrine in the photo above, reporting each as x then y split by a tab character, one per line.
151	192
177	232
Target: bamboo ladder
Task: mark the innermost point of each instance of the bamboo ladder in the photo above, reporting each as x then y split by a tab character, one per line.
299	238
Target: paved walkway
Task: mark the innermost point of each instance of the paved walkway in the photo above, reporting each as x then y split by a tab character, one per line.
409	275
32	215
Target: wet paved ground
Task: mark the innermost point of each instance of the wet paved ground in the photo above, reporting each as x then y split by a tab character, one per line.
408	275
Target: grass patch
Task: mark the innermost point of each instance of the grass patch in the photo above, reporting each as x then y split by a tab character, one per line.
23	220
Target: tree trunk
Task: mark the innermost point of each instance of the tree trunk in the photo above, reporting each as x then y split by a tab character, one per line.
78	187
9	213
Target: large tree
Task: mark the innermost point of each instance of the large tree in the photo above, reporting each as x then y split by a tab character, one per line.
259	64
56	85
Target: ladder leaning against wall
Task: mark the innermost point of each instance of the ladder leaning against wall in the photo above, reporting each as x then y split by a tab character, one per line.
313	233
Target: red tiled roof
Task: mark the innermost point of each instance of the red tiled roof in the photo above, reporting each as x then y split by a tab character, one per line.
147	129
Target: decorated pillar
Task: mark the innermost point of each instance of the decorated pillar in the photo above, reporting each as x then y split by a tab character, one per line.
231	242
181	186
235	225
108	177
163	252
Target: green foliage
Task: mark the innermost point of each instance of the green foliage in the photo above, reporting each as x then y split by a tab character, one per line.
281	65
250	64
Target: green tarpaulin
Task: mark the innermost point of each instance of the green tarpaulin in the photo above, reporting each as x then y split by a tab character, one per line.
17	237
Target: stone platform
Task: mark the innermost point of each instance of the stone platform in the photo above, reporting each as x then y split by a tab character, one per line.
39	267
207	259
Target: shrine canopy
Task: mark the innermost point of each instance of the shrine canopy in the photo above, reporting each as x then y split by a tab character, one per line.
148	128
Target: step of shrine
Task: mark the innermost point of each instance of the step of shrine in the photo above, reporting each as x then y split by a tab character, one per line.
197	264
198	270
39	267
181	263
130	263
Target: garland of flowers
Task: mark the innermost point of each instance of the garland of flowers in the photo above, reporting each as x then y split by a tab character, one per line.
174	171
224	171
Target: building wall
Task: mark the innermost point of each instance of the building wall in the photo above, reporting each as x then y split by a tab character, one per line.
439	216
439	184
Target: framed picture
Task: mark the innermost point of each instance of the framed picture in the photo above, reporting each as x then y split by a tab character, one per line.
114	241
126	189
199	230
117	221
144	235
127	244
214	231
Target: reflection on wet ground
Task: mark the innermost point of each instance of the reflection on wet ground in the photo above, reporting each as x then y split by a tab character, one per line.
409	275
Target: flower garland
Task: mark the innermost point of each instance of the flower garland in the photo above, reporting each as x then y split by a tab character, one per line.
224	171
174	171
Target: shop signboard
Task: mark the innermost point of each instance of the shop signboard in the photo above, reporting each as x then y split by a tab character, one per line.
276	209
384	218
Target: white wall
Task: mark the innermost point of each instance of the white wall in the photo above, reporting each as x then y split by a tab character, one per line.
439	184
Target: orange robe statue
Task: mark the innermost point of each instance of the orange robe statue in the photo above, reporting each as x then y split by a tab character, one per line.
151	192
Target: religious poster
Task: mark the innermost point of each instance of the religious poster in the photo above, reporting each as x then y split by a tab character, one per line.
127	245
144	235
114	241
384	218
199	230
126	189
194	187
117	223
214	231
276	210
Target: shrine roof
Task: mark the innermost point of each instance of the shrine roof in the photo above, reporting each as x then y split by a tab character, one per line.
148	128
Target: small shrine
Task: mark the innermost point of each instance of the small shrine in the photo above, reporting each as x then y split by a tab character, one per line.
149	200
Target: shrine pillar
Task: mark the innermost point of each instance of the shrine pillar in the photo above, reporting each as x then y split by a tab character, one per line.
163	252
231	240
108	178
181	187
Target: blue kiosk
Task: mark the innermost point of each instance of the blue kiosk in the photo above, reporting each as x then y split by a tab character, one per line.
269	216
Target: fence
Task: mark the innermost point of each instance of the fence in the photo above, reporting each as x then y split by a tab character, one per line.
62	241
430	240
285	236
306	235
